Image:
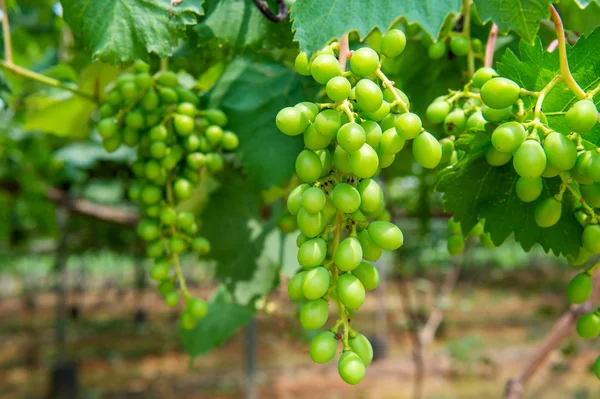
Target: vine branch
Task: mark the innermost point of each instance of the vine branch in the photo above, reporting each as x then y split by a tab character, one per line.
490	46
282	10
6	33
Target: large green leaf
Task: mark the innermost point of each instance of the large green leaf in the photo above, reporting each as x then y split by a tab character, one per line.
251	91
240	24
120	31
316	22
522	16
223	319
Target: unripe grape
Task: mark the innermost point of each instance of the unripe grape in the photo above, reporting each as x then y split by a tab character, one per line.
593	169
214	135
582	116
547	213
427	151
367	274
177	245
508	136
388	122
295	286
530	159
456	245
294	200
591	239
580	171
313	200
386	235
327	123
316	283
368	95
561	152
129	92
386	160
455	122
582	257
478	229
168	95
351	368
324	67
310	224
476	121
408	125
447	149
378	115
308	166
459	45
345	197
482	75
230	141
350	291
106	110
348	254
499	93
371	251
391	142
314	314
323	347
183	189
311	110
436	50
579	288
495	115
591	194
588	326
341	160
312	252
437	111
291	121
302	65
528	190
148	229
393	43
373	133
114	98
183	124
326	161
364	62
172	299
351	137
497	158
188	321
371	195
362	347
160	270
151	194
200	245
107	128
364	163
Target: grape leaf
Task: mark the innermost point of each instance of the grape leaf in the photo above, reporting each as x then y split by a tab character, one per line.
316	22
475	190
120	31
251	91
522	16
240	24
223	319
537	67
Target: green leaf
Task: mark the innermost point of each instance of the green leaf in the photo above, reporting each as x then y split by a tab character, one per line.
240	24
317	22
522	16
584	3
120	31
4	84
251	91
537	67
223	319
475	190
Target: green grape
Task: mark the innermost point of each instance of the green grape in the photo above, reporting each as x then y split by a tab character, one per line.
148	229
497	158
172	299
314	314
326	161
528	190
158	133
362	347
408	125
165	287
152	211
454	227
197	307
476	121
378	115
364	62
459	45
200	245
177	245
168	216
373	133
144	81
316	283
350	291
371	195
328	122
294	200
477	230
153	170
588	326
287	223
591	194
384	216
437	111
580	171
312	252
388	122
111	144
500	93
447	149
183	124
195	160
477	45
167	79
495	115
486	241
214	135
183	189
390	93
348	254
129	92
295	286
391	142
151	194
188	322
301	239
393	43
150	101
310	110
582	257
530	159
351	368
341	160
310	224
345	197
593	169
386	235
436	50
482	75
324	67
168	95
561	151
185	219
155	249
579	288
106	110
314	141
302	65
367	274
456	245
508	136
582	116
455	122
364	163
351	137
291	121
107	128
114	98
214	162
214	116
158	149
386	160
313	200
323	347
371	251
368	95
308	166
230	141
160	270
547	213
130	137
427	151
591	239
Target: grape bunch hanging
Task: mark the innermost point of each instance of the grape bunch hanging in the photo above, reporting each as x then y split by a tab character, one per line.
339	206
176	142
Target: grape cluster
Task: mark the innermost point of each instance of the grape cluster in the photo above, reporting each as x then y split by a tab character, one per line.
456	240
176	142
348	140
537	152
457	42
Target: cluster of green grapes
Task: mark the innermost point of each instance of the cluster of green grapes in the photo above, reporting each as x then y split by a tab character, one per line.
536	151
176	142
348	140
456	240
457	42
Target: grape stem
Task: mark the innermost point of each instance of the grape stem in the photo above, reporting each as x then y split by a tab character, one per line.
345	106
335	274
176	262
542	95
568	182
6	33
390	84
466	11
490	46
565	72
